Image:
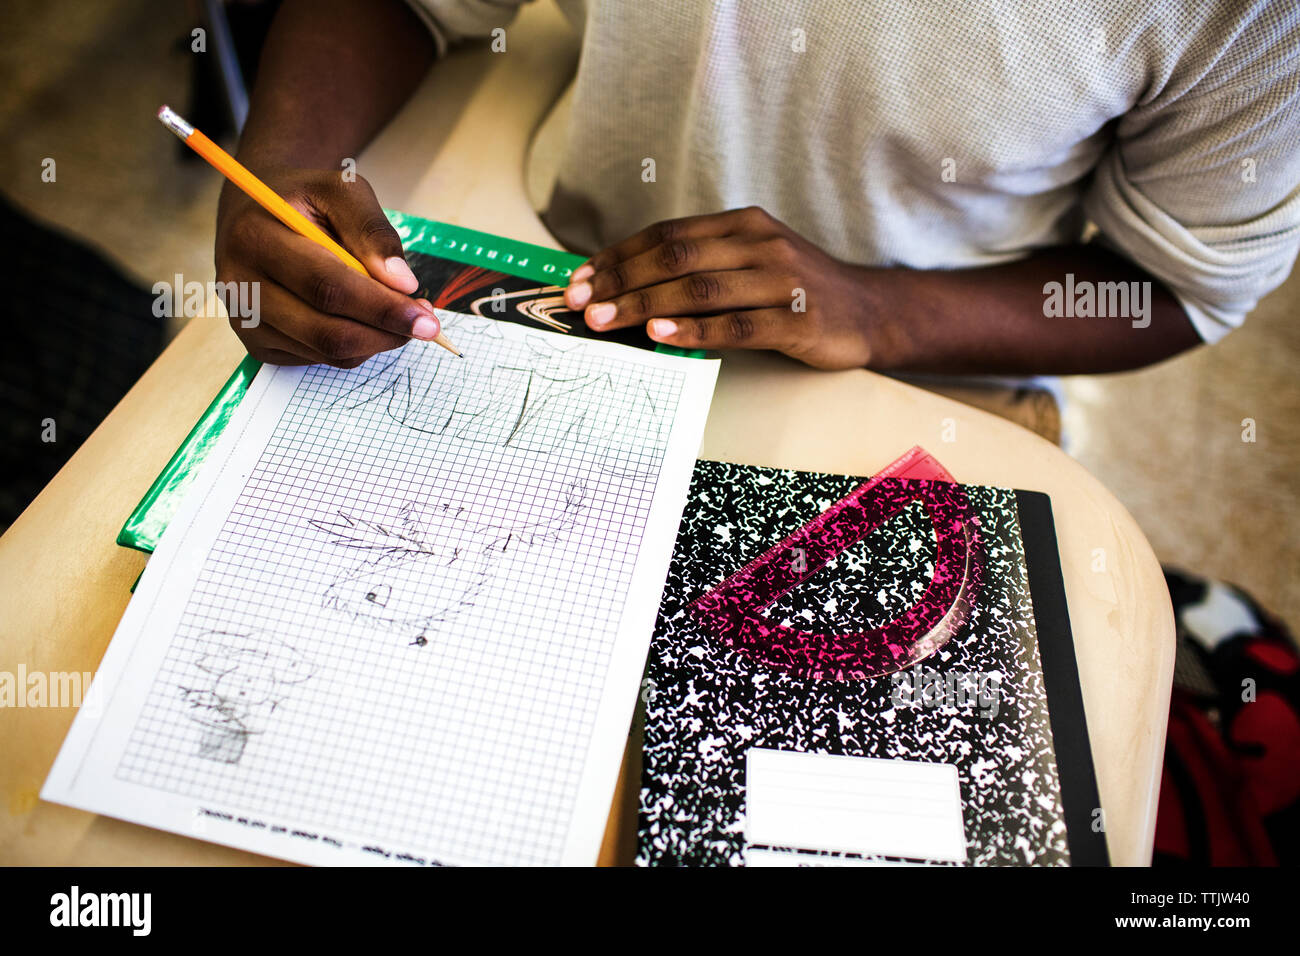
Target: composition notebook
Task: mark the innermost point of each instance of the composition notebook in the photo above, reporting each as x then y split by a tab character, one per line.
864	672
401	612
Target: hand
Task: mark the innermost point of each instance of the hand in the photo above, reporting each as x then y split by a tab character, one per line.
313	308
737	279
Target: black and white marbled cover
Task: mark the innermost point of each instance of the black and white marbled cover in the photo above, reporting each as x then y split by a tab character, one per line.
707	705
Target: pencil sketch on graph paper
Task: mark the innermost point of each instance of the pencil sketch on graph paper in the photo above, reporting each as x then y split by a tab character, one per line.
239	680
406	604
431	564
551	401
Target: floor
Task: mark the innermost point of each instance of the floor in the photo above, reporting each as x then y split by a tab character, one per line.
80	83
1171	443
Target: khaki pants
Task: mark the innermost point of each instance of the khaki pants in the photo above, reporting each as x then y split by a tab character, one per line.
1029	406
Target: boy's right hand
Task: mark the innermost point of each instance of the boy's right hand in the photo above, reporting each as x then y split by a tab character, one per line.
313	308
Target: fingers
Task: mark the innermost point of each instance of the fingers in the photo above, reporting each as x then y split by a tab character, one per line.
313	307
275	348
362	228
317	336
749	329
661	233
672	260
737	260
714	225
695	294
330	288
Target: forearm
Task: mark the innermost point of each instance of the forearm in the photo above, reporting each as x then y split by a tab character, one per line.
332	73
996	319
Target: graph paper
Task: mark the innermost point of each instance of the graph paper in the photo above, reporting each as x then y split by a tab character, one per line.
402	615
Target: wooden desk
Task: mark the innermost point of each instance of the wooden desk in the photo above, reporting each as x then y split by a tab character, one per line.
64	584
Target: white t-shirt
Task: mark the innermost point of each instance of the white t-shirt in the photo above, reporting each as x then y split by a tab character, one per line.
935	134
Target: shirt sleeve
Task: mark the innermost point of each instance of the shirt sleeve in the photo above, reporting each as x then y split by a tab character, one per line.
1201	186
451	21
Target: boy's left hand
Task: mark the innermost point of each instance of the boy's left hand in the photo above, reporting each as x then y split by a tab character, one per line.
737	279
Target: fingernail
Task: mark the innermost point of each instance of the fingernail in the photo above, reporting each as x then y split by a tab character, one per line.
426	327
601	314
579	295
584	271
662	328
399	270
428	306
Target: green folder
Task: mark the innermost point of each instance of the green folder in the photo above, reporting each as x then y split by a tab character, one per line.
149	520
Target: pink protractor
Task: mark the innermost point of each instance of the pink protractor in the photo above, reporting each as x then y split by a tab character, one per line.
732	610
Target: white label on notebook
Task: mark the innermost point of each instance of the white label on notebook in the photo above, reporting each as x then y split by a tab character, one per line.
896	808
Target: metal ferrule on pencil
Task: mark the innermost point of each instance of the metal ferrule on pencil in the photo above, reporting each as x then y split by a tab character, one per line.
172	120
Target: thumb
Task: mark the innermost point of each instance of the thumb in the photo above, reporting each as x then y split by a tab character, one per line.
364	230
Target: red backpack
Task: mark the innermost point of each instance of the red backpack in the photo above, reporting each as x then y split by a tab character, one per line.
1230	793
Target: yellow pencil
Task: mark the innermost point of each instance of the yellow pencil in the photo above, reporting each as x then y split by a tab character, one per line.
265	196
